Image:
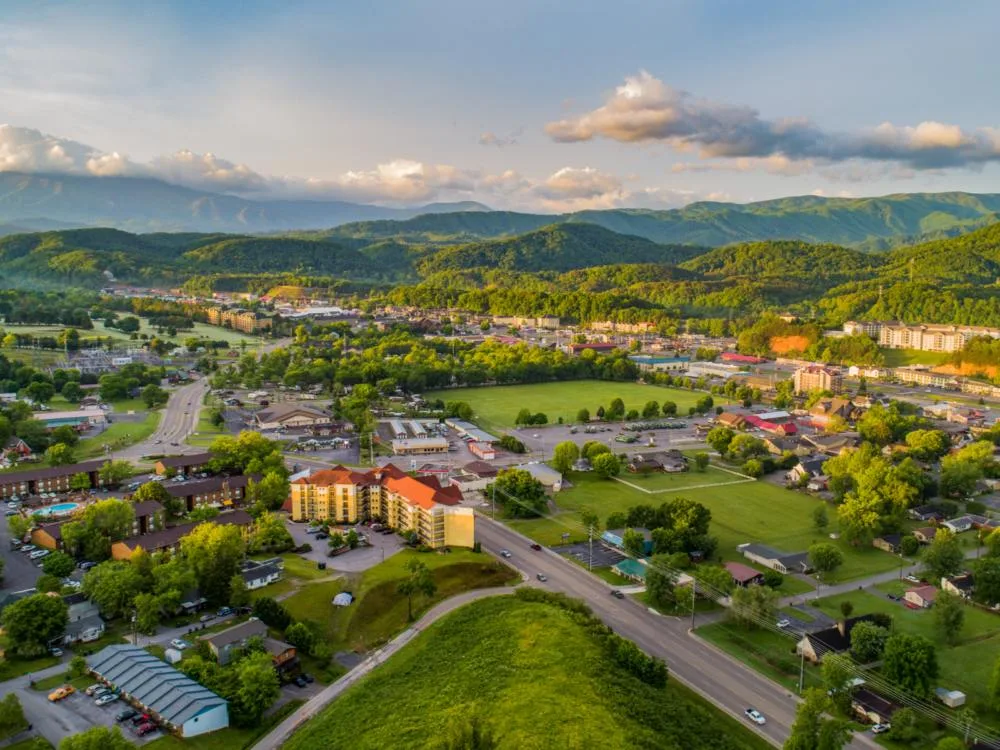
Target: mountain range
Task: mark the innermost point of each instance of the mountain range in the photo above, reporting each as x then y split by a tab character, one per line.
36	202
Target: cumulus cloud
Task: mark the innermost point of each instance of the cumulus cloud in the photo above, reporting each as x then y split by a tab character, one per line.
645	109
489	138
207	171
29	150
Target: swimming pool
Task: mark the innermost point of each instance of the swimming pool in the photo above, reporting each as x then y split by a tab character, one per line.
60	509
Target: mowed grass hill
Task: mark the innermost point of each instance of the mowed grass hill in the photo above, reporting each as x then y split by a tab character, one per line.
528	672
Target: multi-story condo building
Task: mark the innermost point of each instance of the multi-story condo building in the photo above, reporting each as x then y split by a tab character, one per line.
817	378
238	320
928	338
403	502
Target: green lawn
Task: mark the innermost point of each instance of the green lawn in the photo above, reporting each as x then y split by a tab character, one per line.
32	743
746	512
205	432
902	357
14	667
967	666
660	482
529	673
118	435
765	651
230	738
379	610
496	407
51	683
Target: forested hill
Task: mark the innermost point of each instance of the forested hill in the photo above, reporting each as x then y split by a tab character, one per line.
798	260
558	247
867	223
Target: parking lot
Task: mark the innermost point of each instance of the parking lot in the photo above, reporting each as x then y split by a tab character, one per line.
85	710
604	556
357	560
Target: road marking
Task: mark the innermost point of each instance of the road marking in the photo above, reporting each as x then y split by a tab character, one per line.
688	487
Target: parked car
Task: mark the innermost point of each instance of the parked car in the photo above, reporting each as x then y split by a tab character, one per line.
308	677
59	693
537	547
300	681
28	548
505	553
93	688
87	565
755	716
912	578
617	594
224	612
56	651
142	719
101	691
106	699
881	728
145	728
322	535
783	623
206	617
180	644
125	714
542	577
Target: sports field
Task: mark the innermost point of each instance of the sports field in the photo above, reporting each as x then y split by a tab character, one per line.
495	407
742	511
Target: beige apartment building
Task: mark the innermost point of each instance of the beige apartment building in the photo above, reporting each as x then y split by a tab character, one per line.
928	338
239	320
817	378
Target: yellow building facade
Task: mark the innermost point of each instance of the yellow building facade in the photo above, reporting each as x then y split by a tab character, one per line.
403	502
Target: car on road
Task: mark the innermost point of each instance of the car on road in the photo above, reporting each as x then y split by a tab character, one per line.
93	688
206	617
180	644
617	594
322	535
542	577
783	623
59	693
755	716
10	512
308	677
145	728
125	714
174	443
106	699
537	547
224	612
881	728
505	553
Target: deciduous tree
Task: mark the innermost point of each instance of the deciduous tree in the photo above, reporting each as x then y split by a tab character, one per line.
910	662
949	616
563	456
31	622
418	581
606	465
825	557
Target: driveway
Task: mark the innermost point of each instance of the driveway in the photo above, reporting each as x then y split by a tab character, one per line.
355	561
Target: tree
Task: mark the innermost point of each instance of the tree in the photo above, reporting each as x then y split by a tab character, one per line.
752	605
773	579
949	616
909	661
11	715
959	479
59	454
203	513
79	482
40	392
518	493
270	492
660	582
701	461
32	622
669	409
909	546
157	492
352	539
825	557
58	564
65	434
153	396
239	594
269	534
524	417
868	641
927	445
97	738
651	409
593	448
113	586
419	581
271	613
77	666
753	468
113	473
471	736
950	743
720	438
616	410
812	730
905	727
147	612
583	416
606	465
46	583
214	553
944	557
92	530
301	636
259	687
72	391
634	543
846	609
563	456
837	671
820	519
19	526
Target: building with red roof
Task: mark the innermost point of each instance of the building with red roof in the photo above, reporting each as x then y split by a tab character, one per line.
403	502
772	428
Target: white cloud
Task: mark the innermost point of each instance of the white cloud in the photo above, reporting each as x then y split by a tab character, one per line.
29	150
645	109
489	138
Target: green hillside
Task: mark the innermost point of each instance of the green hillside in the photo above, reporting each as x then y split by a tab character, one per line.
794	260
558	247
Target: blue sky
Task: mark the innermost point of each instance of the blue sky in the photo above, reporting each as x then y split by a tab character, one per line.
511	103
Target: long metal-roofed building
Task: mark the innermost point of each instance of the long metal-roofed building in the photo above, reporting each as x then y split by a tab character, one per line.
168	695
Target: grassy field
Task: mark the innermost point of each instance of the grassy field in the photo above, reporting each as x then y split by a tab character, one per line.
379	610
11	668
204	431
745	512
967	666
118	435
496	407
530	674
772	654
32	743
665	483
903	357
231	738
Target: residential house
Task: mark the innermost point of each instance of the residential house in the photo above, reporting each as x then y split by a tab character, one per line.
743	575
226	643
670	462
259	576
921	597
777	446
150	516
84	620
805	469
48	535
616	538
833	445
926	513
783	562
873	708
827	409
836	639
190	464
960	585
17	449
926	534
959	525
888	543
388	493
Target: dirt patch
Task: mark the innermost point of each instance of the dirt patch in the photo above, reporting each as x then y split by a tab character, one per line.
968	368
786	344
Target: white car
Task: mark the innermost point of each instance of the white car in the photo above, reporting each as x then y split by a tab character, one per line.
881	728
784	623
755	716
505	553
106	699
912	578
180	644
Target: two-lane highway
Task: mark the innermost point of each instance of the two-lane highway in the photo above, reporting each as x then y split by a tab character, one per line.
722	680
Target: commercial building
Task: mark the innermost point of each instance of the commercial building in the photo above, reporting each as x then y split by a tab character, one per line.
80	419
711	370
405	503
817	378
419	446
653	363
547	322
468	431
783	562
169	696
917	375
291	416
238	320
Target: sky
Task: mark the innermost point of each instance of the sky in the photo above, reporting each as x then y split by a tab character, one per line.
529	105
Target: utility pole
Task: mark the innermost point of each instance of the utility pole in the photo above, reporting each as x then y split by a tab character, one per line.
802	669
694	593
590	542
493	508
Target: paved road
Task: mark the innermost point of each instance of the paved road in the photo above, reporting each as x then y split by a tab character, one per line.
51	724
178	420
280	734
722	680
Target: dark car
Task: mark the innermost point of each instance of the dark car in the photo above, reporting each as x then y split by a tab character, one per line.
537	547
141	719
308	677
617	594
322	535
300	681
126	714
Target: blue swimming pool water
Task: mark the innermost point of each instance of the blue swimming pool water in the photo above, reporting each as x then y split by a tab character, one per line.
59	509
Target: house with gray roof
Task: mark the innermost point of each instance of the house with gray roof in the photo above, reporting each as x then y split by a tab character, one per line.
783	562
163	692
